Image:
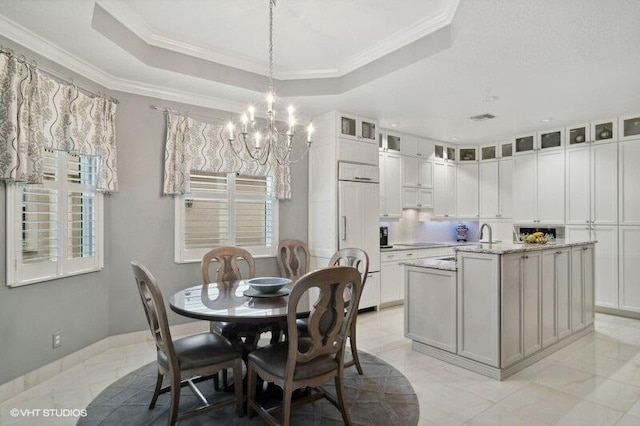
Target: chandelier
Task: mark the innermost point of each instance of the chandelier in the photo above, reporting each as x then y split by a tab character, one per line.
258	142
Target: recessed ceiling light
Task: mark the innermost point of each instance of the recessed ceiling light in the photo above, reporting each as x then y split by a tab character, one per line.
394	124
545	120
453	138
490	99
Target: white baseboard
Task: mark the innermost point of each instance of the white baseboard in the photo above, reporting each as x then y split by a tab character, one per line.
20	384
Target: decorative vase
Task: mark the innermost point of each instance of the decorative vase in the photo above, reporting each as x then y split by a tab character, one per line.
605	134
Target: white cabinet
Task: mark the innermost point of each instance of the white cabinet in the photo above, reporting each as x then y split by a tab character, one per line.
417	172
489	189
355	127
629	127
357	151
582	287
531	285
389	144
431	311
556	307
630	268
390	185
591	174
578	186
371	291
467	190
417	198
414	146
603	131
606	265
605	259
444	189
390	281
479	307
629	173
538	180
551	139
506	188
525	193
355	226
495	181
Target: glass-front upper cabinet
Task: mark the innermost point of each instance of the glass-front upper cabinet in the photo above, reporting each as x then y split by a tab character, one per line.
488	152
444	153
630	127
506	149
394	142
577	135
451	154
550	139
604	131
468	153
525	144
354	127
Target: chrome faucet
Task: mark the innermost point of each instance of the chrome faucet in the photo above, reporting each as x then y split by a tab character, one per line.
490	232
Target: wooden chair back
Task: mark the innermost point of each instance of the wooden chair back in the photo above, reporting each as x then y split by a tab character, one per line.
328	324
355	258
153	304
293	258
228	268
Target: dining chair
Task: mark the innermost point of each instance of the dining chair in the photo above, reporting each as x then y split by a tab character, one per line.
309	362
188	360
293	258
355	258
228	271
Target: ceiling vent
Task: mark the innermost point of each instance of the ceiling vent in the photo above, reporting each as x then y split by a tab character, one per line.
482	117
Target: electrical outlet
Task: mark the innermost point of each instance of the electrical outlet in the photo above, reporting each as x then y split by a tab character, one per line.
57	340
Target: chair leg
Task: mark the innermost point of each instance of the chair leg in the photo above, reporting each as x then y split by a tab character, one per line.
251	389
225	382
175	399
286	404
216	381
156	393
354	347
340	397
237	381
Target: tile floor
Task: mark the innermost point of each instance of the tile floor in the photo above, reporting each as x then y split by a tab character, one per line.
593	381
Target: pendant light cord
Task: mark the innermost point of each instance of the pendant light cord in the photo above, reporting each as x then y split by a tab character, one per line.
271	4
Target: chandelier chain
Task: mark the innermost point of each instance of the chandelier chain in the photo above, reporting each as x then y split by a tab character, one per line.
271	4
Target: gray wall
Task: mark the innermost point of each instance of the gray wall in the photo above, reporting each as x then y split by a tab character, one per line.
139	225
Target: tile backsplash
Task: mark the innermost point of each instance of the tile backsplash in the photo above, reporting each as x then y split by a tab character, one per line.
411	229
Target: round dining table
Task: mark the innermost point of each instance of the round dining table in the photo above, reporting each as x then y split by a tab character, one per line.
226	302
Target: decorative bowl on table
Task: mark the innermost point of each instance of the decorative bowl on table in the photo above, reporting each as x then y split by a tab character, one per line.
268	285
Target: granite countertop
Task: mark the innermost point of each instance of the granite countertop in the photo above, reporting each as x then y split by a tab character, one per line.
433	263
504	248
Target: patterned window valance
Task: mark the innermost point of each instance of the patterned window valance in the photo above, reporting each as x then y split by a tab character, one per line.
37	112
194	145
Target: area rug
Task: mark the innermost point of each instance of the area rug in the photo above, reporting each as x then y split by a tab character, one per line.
382	396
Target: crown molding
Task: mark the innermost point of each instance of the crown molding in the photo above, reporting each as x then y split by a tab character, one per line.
400	39
32	41
45	48
122	13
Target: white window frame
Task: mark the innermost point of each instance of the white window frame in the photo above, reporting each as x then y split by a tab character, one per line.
184	255
19	274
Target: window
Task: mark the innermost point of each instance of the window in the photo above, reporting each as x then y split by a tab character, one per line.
55	229
226	210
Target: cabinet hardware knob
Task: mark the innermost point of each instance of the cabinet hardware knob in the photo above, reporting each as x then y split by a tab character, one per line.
558	252
419	184
409	254
587	221
419	205
386	214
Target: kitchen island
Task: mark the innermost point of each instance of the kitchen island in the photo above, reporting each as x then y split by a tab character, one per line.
499	308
